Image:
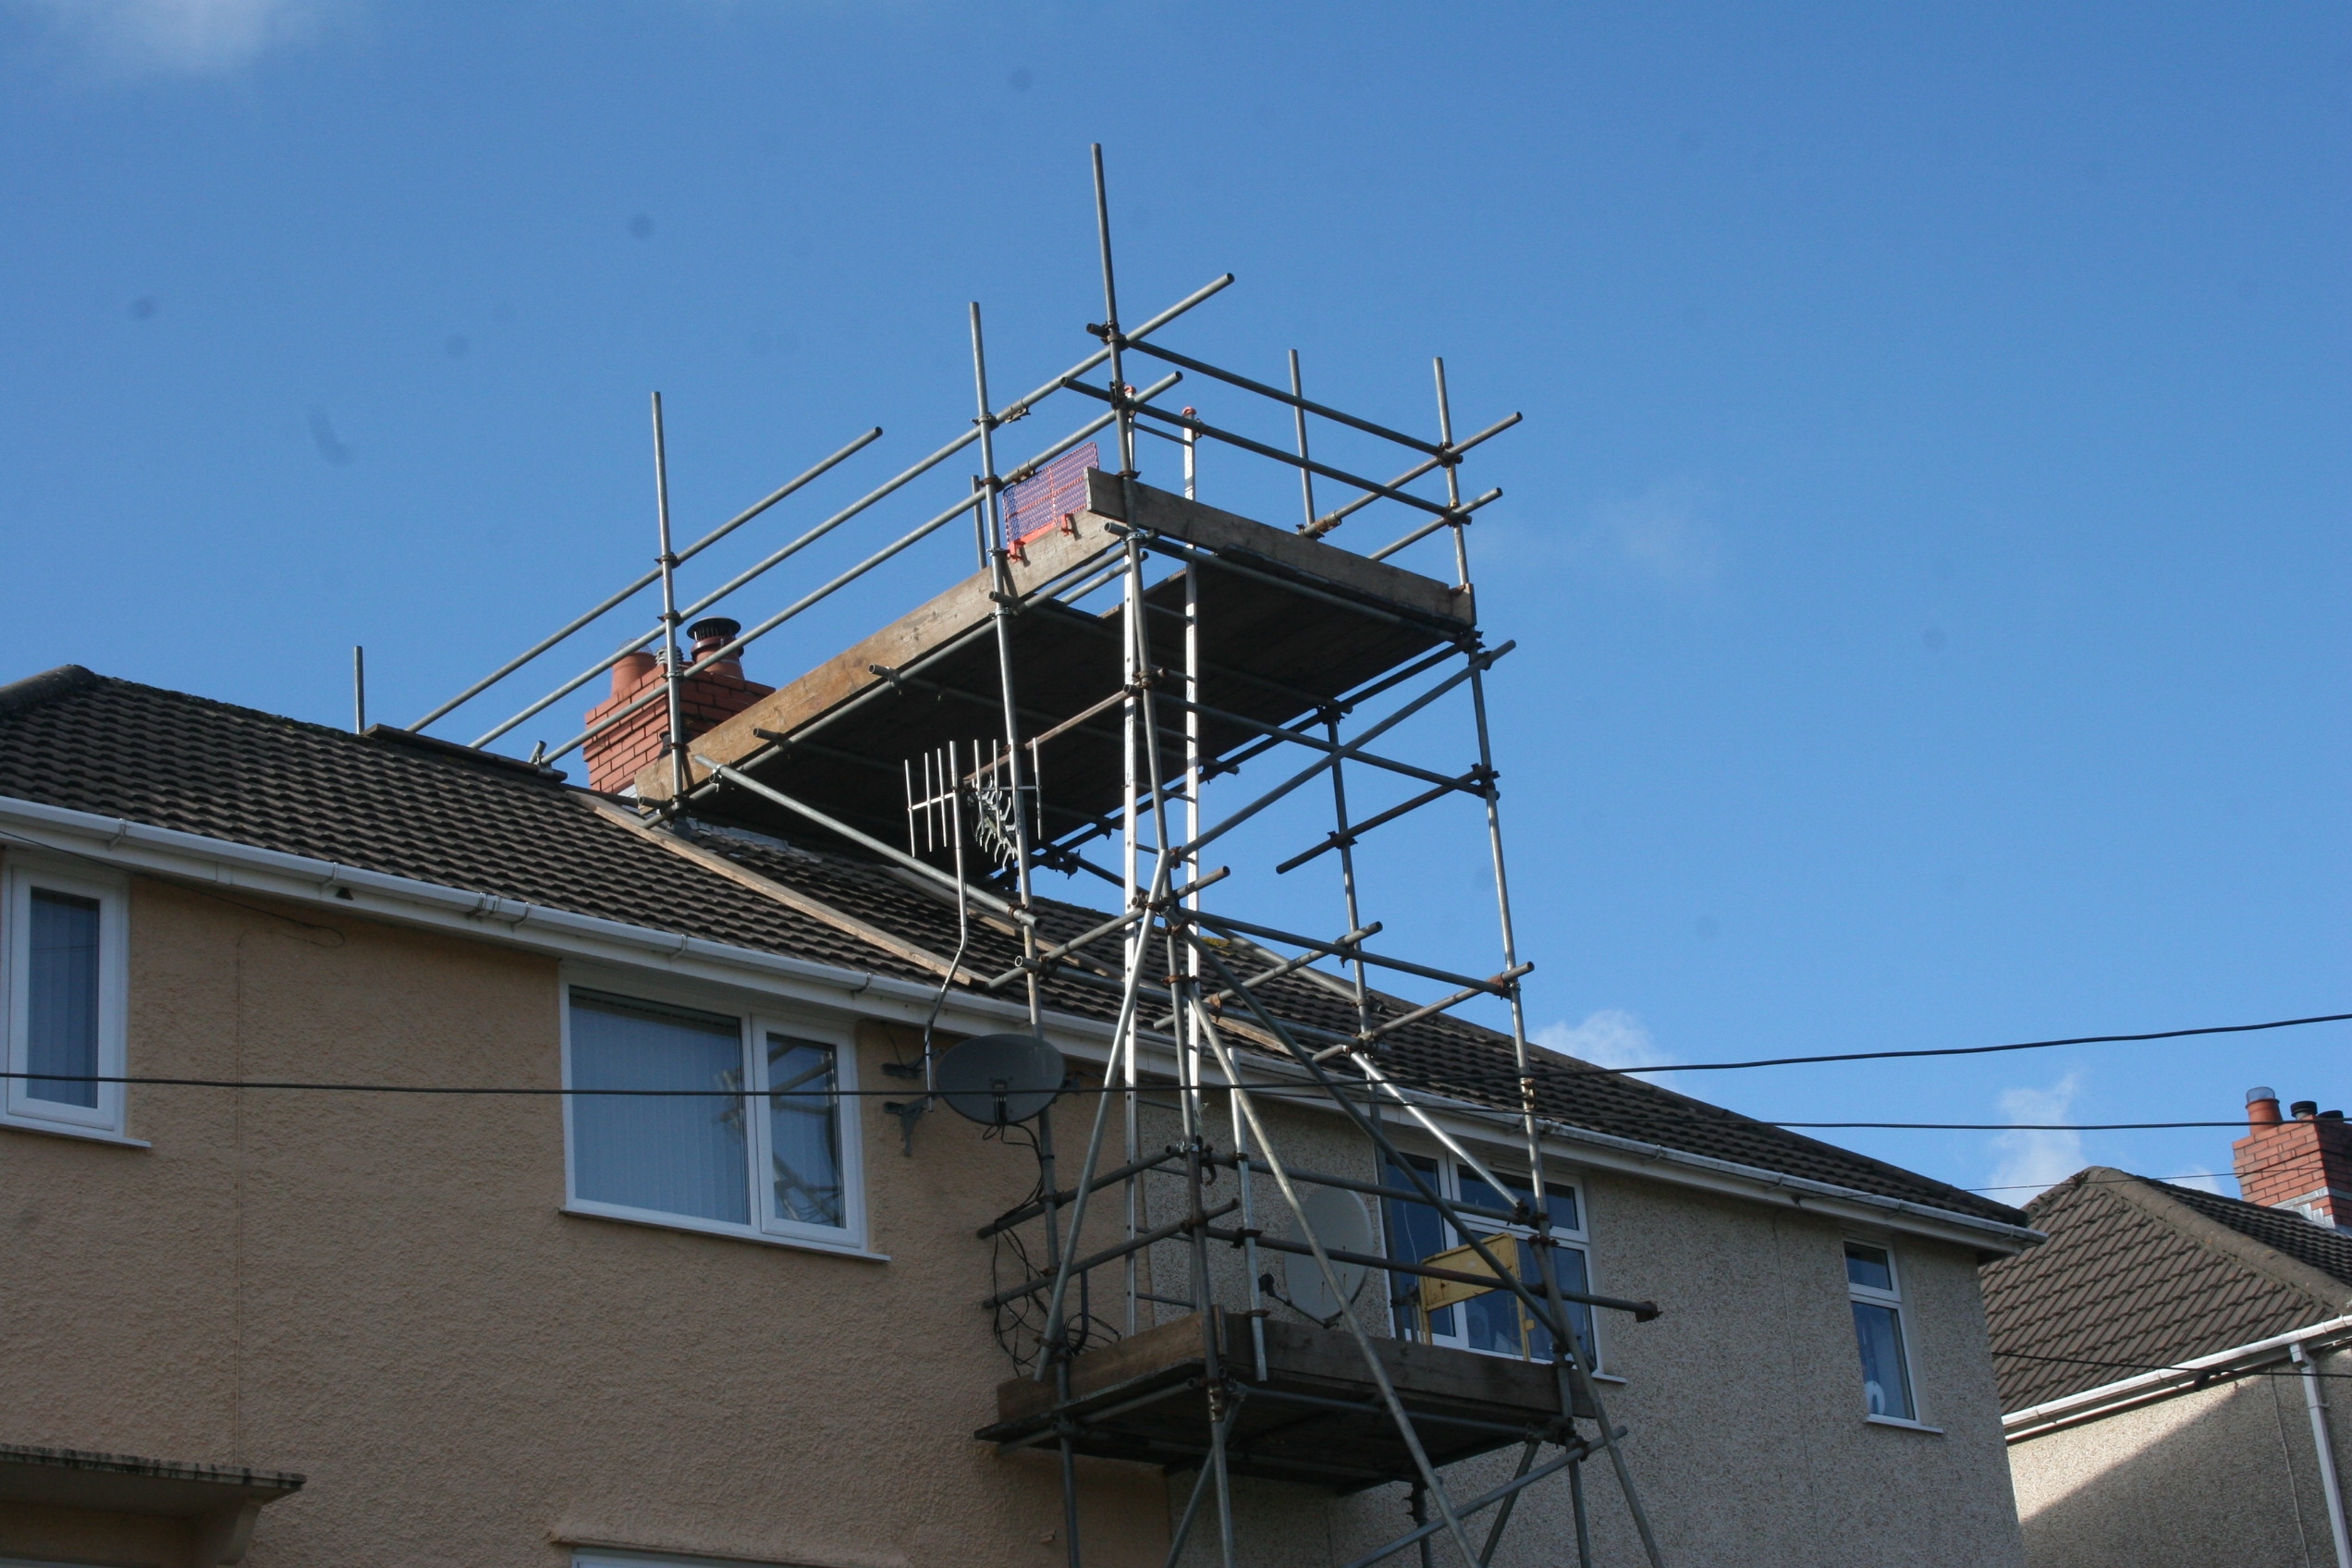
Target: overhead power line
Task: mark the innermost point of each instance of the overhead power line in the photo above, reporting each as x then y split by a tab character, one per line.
1954	1050
1719	1119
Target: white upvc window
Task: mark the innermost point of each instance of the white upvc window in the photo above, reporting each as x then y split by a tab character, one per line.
65	933
1874	1291
1495	1322
741	1124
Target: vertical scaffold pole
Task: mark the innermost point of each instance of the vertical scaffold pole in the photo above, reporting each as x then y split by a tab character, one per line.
1307	475
674	743
1110	324
1347	876
1000	561
1049	1349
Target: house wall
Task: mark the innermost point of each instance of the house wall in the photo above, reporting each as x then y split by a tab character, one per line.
2226	1474
381	1292
1750	1443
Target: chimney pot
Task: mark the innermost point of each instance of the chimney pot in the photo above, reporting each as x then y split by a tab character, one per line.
711	634
632	672
2303	1111
2330	1116
2261	1107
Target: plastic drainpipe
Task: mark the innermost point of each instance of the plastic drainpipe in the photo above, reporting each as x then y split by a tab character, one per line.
2324	1448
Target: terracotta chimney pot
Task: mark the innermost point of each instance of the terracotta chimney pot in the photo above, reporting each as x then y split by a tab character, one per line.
710	635
2261	1107
632	673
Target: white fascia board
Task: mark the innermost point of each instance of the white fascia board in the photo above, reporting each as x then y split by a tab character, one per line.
193	857
2149	1387
303	879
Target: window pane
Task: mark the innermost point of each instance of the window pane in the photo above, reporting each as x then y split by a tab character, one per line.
1886	1382
1415	1231
805	1132
679	1153
1490	1322
61	1006
1570	1261
1868	1267
1561	1201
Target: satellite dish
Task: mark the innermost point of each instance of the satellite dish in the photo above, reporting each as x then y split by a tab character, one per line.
1341	1224
997	1078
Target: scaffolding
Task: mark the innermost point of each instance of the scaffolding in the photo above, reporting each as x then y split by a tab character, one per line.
1020	728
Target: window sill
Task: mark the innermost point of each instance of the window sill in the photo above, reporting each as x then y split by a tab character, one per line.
1608	1378
728	1233
1907	1425
67	1130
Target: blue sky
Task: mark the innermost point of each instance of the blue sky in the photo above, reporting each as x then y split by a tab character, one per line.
1926	541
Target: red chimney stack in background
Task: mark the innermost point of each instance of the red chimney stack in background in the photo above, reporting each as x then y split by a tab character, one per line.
706	698
2302	1161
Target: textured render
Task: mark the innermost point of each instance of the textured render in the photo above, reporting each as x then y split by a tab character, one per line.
2227	1475
380	1292
1749	1443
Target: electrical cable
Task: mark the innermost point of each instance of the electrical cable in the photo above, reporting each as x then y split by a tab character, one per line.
1310	1091
1554	1070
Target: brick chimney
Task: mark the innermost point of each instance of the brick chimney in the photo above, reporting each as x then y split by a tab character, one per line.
2302	1161
708	697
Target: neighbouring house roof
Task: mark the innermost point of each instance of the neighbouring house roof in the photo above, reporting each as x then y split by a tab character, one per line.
443	814
2138	1273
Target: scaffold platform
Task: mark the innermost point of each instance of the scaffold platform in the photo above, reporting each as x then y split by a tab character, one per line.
1316	1417
1287	625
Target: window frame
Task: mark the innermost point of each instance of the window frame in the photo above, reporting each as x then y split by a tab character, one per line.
756	1019
18	1107
1577	1238
1891	1298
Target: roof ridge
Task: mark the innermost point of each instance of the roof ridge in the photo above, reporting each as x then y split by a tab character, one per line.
2155	1199
46	687
50	684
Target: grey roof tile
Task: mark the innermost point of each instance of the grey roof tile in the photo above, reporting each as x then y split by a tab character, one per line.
2138	1273
439	814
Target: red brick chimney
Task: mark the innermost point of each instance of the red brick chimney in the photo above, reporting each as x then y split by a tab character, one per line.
708	697
2303	1162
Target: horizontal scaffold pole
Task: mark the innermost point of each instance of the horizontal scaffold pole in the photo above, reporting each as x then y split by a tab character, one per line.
1109	1255
1643	1311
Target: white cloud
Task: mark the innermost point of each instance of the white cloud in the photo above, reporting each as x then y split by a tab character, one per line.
181	37
2033	1160
1611	1038
2204	1180
1662	534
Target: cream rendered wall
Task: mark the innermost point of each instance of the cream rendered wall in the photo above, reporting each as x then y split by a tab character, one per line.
379	1292
2227	1474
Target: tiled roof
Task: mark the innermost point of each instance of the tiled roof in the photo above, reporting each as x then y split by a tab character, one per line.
436	813
2139	1274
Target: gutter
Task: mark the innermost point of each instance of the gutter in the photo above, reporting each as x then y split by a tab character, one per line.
2109	1399
194	857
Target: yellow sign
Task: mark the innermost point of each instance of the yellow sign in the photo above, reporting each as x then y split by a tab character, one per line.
1438	1295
